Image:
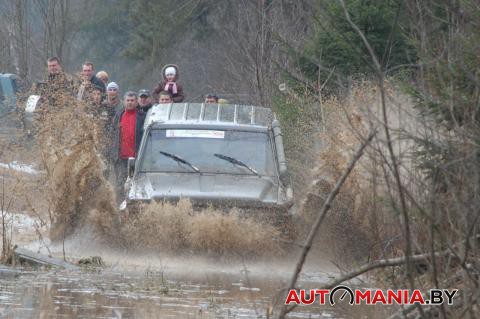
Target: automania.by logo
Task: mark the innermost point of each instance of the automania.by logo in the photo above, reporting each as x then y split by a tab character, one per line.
370	296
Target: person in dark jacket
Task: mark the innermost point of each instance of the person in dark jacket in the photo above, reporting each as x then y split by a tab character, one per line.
113	97
128	125
170	83
89	80
144	100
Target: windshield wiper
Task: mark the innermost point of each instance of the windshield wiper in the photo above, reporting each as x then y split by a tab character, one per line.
180	160
236	162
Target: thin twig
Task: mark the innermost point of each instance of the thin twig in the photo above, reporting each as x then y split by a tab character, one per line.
321	216
403	205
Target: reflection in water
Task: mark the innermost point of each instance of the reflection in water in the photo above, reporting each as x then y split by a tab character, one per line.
150	295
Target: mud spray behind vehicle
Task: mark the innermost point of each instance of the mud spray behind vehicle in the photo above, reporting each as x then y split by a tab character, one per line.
214	154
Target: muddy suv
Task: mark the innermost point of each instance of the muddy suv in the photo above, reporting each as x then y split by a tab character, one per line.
221	155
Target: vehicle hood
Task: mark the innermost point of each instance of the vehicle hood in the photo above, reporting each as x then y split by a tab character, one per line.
205	188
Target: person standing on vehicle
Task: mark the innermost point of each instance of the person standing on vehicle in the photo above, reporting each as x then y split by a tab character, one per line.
170	84
144	100
128	126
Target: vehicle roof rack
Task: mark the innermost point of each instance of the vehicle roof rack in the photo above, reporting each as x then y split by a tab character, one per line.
233	114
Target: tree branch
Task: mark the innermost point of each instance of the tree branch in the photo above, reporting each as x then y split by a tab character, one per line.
323	212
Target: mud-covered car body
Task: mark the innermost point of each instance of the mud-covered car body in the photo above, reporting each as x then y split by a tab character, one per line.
220	155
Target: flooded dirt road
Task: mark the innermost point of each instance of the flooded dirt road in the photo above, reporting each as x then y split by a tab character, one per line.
192	268
135	287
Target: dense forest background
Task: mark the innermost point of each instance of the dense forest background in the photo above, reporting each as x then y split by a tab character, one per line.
227	47
240	48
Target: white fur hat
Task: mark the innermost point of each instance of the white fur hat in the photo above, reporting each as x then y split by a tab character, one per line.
170	70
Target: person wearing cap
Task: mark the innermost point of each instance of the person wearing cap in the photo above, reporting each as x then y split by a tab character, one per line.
211	99
170	84
144	100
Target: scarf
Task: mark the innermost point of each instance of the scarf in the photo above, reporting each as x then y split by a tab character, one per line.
172	87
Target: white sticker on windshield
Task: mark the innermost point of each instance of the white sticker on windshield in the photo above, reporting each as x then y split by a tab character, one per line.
195	133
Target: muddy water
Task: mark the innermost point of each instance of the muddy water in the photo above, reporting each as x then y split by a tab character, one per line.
199	289
136	286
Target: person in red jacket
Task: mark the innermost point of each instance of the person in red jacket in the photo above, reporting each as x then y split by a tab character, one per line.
128	124
170	84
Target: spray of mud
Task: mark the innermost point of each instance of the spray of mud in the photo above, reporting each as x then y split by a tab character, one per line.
176	227
80	197
71	141
359	225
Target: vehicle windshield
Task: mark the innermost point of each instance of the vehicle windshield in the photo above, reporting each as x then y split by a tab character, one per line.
199	146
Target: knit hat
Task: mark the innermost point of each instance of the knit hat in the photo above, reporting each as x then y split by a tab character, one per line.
170	70
112	86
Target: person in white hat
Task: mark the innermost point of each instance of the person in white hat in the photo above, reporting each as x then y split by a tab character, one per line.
169	84
113	97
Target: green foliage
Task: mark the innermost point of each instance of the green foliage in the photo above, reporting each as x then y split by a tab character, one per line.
450	66
335	44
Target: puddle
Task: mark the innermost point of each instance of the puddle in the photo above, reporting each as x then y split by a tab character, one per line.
150	294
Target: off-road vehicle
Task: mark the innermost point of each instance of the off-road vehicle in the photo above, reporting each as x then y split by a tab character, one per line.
214	154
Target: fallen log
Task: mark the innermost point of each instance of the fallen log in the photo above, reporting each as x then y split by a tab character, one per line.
43	260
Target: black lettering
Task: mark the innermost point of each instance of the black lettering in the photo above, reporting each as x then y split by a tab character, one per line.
450	295
436	296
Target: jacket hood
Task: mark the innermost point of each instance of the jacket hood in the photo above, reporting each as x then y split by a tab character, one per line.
170	65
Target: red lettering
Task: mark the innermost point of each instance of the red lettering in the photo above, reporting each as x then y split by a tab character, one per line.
392	296
292	297
322	293
366	296
303	296
417	297
379	297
